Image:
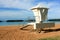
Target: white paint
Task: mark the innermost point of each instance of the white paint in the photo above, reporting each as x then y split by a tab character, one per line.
40	13
34	24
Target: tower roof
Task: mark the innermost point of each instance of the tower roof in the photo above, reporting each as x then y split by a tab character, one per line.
39	6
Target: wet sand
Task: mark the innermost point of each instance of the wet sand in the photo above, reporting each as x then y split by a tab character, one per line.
15	33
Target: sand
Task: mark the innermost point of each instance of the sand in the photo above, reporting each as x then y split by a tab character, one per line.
15	33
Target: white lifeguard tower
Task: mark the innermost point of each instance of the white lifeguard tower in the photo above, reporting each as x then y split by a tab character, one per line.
40	13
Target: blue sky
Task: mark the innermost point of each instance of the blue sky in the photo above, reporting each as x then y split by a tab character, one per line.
19	9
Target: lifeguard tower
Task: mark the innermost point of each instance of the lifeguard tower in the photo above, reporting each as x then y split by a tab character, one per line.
40	13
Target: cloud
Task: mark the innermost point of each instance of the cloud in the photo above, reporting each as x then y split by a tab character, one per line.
15	14
24	4
53	6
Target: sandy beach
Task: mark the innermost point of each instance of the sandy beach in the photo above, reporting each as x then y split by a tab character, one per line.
15	33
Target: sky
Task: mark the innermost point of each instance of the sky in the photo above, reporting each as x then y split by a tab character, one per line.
20	9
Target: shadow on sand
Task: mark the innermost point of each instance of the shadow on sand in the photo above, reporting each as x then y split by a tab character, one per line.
41	26
51	30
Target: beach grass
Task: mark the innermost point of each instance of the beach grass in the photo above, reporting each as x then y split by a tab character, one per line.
51	38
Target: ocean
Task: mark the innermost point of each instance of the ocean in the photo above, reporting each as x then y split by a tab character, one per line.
12	23
23	23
